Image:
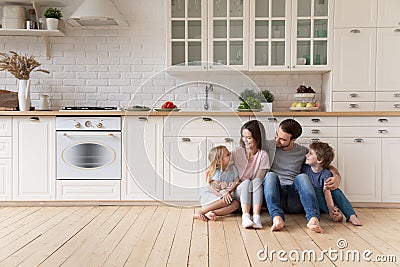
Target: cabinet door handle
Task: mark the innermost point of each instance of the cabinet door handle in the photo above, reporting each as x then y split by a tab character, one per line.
355	31
396	106
354	106
396	94
315	120
354	95
34	118
142	118
186	139
207	119
273	119
383	120
358	140
313	140
315	131
397	30
228	139
383	131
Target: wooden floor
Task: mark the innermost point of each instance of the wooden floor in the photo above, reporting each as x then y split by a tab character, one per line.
168	236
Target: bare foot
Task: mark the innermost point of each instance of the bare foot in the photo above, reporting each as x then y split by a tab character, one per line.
210	215
313	224
277	223
199	216
354	220
336	215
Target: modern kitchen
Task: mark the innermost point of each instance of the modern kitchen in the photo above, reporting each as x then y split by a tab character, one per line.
104	136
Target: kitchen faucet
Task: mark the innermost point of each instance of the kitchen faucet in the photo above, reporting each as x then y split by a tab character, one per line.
208	89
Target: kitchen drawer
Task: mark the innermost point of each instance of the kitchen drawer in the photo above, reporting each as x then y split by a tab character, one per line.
388	96
353	106
203	126
317	121
354	96
5	126
368	121
88	190
360	132
388	106
270	124
315	132
332	141
5	147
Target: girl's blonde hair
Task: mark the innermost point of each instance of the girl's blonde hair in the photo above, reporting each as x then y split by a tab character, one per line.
215	157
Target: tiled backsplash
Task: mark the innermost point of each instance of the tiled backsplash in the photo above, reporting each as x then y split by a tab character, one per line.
127	67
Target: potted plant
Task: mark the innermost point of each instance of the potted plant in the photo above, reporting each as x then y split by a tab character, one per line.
250	100
52	16
266	97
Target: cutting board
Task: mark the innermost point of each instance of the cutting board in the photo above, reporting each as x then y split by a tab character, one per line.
8	100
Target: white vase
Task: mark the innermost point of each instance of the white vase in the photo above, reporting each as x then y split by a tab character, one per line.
52	24
24	95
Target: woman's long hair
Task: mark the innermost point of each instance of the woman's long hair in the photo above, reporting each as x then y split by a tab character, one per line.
257	131
215	157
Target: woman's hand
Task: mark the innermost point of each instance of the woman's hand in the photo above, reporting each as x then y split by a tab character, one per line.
227	198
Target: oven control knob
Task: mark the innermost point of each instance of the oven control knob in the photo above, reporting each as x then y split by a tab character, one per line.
88	123
99	125
77	124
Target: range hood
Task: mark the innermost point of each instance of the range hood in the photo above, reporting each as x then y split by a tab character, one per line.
97	14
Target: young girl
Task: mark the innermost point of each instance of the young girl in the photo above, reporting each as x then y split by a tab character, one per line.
318	158
222	178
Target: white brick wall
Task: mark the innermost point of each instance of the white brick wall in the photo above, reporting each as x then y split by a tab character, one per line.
121	67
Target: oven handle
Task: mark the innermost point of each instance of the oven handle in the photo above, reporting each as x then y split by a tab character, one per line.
99	134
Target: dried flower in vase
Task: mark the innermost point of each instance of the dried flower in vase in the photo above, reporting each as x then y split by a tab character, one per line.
20	66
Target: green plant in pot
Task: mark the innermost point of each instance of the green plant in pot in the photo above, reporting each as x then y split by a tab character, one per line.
52	16
250	100
266	96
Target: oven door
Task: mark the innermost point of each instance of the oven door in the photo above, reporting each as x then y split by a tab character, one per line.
88	155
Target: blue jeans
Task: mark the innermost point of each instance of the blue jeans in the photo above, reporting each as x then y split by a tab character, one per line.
290	198
339	199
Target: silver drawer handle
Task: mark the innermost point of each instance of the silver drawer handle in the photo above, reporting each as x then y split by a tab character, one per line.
355	31
315	120
314	140
315	131
207	119
383	120
354	95
383	131
273	119
396	94
354	106
396	106
34	118
358	140
186	139
228	139
142	118
397	30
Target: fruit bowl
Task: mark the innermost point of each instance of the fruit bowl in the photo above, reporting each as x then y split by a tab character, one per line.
303	108
304	95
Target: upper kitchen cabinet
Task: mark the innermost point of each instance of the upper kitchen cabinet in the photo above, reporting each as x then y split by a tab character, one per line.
356	13
388	13
204	35
290	35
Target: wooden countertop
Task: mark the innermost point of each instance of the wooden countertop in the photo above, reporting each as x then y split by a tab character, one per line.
198	113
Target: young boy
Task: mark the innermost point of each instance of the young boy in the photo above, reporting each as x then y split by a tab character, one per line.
318	158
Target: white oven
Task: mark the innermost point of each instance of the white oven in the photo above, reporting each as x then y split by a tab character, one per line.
88	148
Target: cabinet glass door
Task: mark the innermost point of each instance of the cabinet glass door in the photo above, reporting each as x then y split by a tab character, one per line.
311	32
226	32
269	34
187	32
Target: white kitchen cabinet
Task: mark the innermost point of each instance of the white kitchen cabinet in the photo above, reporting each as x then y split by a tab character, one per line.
5	158
187	141
290	35
34	158
390	170
356	13
142	177
88	190
205	35
388	13
271	124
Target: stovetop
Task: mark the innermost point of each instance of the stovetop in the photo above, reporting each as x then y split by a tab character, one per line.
90	108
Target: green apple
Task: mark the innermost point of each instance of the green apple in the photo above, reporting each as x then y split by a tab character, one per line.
310	105
300	105
294	104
